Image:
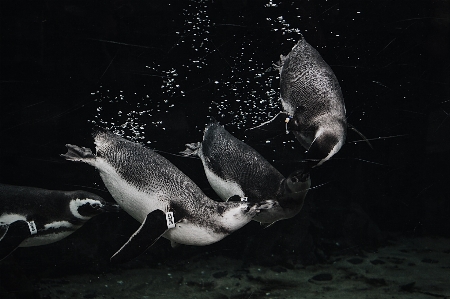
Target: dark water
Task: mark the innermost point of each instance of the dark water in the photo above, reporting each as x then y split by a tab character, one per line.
153	71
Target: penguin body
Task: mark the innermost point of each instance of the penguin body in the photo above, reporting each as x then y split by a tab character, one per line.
233	168
157	194
313	100
32	216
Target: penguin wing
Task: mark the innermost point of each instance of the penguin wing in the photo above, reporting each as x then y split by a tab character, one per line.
13	234
269	128
152	228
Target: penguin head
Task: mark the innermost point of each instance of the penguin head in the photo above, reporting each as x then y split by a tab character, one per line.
298	181
237	214
294	189
86	208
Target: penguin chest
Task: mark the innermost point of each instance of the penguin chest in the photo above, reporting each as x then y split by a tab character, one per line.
224	188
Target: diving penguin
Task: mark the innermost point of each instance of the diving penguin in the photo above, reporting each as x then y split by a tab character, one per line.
163	199
313	103
233	168
33	216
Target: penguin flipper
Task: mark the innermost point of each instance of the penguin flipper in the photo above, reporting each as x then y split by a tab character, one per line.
279	64
272	127
151	229
13	234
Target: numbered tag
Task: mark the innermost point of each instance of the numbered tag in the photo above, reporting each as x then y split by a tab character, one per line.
170	220
32	227
244	198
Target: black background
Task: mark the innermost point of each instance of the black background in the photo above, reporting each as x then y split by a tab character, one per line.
391	59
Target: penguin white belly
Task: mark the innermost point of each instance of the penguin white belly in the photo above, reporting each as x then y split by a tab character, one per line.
225	189
333	151
190	234
135	202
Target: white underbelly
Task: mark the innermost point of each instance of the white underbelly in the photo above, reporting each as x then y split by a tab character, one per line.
190	234
136	203
225	189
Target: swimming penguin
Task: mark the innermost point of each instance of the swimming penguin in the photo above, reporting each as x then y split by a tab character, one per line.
233	168
33	216
313	103
157	194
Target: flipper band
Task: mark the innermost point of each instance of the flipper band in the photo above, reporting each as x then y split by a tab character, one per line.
170	220
32	227
287	121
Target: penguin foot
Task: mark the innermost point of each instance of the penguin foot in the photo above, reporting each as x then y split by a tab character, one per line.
76	153
253	209
266	204
299	176
191	149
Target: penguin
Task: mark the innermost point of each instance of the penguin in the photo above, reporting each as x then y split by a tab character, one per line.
32	216
235	170
163	199
313	103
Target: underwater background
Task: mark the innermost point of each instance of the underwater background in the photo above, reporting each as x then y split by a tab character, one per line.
154	71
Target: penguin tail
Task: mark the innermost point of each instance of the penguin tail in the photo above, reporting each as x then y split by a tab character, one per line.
80	154
192	149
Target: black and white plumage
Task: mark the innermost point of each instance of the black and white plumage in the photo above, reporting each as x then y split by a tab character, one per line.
312	97
313	104
32	216
148	187
233	168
